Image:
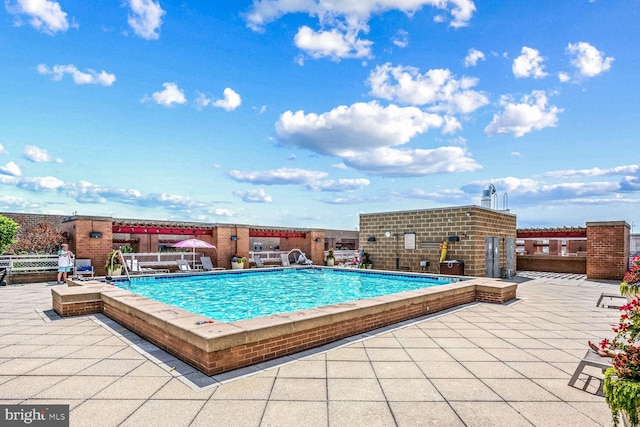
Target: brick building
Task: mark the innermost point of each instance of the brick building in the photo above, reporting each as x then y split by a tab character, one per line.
385	236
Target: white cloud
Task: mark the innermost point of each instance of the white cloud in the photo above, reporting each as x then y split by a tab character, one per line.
45	15
401	39
10	169
342	21
618	170
266	11
339	185
529	64
81	78
333	43
387	161
437	87
588	60
253	196
146	18
39	155
346	130
532	113
364	137
2	150
564	77
282	176
472	58
40	183
169	96
230	102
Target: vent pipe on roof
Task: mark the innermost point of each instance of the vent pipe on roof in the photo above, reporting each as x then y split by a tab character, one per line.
487	196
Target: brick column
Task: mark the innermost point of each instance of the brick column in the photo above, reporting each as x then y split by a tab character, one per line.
607	249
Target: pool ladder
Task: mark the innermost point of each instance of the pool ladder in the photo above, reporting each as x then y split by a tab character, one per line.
126	269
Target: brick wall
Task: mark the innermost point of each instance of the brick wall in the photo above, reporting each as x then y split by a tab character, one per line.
552	263
607	249
471	224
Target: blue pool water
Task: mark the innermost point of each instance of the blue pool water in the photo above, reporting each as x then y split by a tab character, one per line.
228	297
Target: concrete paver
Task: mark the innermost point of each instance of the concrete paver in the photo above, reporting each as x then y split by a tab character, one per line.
493	365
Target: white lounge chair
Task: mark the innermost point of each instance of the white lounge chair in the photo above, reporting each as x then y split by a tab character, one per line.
207	265
183	265
285	260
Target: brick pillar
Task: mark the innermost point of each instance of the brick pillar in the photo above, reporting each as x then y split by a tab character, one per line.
315	251
83	245
607	249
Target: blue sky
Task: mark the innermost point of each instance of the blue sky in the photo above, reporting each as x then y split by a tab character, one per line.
306	113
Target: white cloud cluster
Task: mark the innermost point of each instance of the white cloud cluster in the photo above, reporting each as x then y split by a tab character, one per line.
529	64
472	58
618	170
11	169
401	39
230	102
333	43
145	18
39	155
339	185
518	119
437	88
365	136
253	196
282	176
44	15
81	78
589	61
342	21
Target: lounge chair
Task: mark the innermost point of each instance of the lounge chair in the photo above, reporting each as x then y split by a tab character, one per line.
207	265
260	263
135	268
183	265
590	359
83	268
285	260
4	274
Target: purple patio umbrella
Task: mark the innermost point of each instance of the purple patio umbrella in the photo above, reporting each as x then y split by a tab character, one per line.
194	243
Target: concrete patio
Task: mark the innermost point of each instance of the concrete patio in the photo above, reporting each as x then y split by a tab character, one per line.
481	365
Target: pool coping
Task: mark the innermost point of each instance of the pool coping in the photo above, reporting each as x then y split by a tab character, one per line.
217	347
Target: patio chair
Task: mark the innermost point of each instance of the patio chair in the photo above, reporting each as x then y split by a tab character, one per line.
4	274
135	268
183	265
260	263
591	359
285	260
207	265
83	268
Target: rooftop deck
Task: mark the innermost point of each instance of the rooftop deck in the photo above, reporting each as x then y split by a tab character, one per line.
483	364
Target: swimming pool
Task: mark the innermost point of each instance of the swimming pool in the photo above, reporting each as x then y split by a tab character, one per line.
215	347
228	297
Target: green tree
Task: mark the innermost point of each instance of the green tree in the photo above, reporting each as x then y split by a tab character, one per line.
8	230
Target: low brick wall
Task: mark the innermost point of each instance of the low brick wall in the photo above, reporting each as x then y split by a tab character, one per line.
552	263
216	347
22	278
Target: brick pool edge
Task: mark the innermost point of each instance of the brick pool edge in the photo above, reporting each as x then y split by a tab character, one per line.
218	347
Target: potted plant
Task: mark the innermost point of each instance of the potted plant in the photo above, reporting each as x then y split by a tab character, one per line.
621	383
237	262
113	266
366	260
331	259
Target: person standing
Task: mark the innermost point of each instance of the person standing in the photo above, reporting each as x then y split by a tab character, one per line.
65	262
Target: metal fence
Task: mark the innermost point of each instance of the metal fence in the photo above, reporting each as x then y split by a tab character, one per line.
29	263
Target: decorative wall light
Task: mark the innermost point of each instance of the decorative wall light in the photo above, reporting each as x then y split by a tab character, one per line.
234	238
371	239
95	235
318	239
